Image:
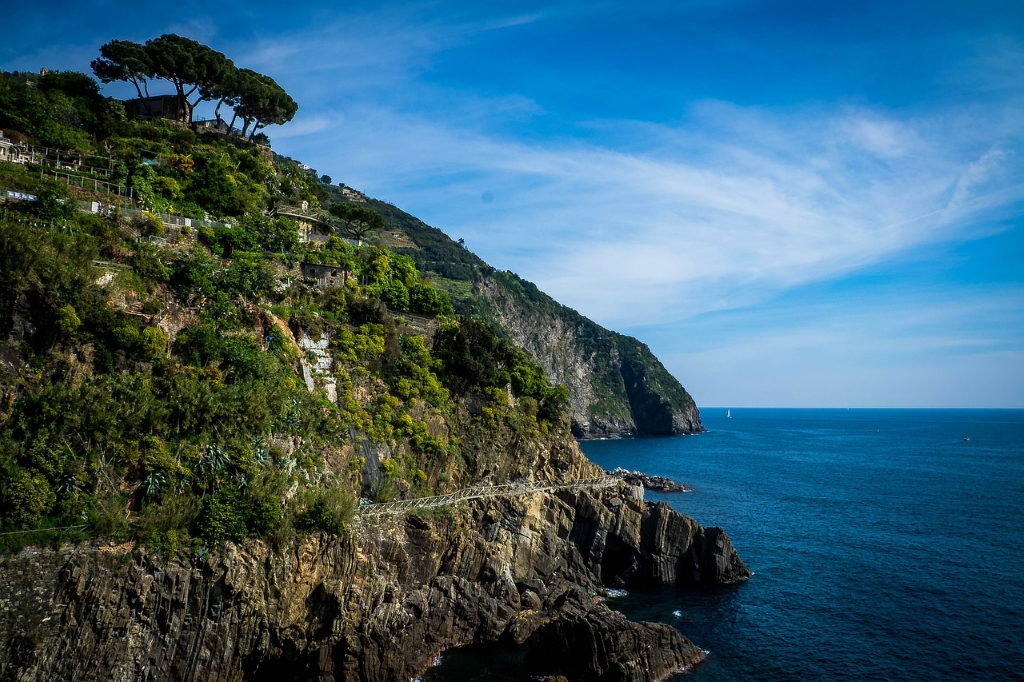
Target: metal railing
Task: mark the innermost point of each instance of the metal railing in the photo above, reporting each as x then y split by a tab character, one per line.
481	491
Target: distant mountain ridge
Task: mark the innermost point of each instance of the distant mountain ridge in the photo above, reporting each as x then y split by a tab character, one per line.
617	387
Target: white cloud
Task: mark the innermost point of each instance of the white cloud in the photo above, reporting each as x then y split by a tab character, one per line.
629	237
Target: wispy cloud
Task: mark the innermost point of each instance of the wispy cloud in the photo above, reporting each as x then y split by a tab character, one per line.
643	221
634	237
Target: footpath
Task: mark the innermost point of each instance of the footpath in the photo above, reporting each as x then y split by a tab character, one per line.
482	491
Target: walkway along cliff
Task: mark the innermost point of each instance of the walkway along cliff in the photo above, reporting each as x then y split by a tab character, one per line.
378	604
216	464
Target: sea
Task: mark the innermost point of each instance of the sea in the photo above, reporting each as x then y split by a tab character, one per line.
885	544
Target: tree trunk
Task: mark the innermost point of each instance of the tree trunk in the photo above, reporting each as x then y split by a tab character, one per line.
179	86
192	105
144	98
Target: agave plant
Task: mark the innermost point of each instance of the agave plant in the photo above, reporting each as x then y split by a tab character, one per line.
200	553
260	453
214	460
294	417
152	484
69	485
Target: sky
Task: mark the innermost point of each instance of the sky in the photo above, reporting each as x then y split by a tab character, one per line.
794	204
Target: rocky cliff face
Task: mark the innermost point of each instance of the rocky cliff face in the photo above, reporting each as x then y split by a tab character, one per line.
378	604
616	385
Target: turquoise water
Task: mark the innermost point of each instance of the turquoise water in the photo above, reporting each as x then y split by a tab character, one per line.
884	545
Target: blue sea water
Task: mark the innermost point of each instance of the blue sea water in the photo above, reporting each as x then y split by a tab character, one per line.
884	545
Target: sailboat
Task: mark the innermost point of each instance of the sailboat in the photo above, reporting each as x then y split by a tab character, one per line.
728	414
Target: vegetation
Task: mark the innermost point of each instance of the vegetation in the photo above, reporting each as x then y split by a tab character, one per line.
151	375
198	72
357	221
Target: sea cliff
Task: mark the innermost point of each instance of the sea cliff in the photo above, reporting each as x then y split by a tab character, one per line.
376	604
195	414
617	386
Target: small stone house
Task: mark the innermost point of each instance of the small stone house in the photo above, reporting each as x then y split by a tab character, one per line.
160	106
325	275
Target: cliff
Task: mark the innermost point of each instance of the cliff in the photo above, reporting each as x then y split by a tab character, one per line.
195	416
377	604
616	385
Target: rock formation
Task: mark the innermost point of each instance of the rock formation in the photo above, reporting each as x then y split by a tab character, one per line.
616	385
377	604
659	484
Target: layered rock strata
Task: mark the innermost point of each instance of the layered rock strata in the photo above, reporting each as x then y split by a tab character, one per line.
617	387
378	604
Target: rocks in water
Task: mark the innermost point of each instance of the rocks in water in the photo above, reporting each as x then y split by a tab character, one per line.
657	483
374	606
604	645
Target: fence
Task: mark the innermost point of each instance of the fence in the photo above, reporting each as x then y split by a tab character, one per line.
479	492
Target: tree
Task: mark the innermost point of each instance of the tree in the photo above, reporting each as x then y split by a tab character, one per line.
190	66
224	91
261	102
123	60
357	221
325	179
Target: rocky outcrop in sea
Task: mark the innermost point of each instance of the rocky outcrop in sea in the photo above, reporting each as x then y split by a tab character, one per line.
380	603
659	484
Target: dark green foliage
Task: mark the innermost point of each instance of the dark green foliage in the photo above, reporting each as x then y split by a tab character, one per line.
145	261
53	115
53	204
224	516
330	509
261	101
248	276
123	60
239	357
475	358
26	499
394	294
189	65
265	509
363	310
277	235
426	300
357	221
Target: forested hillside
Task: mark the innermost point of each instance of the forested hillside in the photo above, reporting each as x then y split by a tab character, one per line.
168	371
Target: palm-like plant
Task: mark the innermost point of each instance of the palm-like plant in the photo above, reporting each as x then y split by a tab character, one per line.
214	460
152	483
260	453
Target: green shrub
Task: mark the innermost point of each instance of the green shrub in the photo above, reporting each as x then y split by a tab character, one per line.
393	293
330	509
67	319
427	300
265	493
223	516
153	341
174	514
26	499
149	224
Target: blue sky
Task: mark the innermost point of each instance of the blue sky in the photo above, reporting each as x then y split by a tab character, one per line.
792	203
